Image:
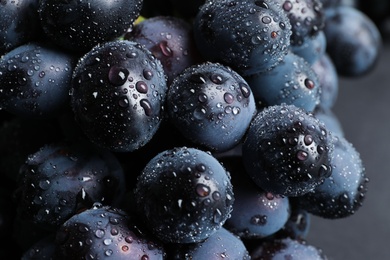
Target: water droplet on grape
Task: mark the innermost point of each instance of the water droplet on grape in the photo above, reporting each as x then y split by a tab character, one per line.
287	6
145	104
141	87
118	75
229	98
259	220
202	190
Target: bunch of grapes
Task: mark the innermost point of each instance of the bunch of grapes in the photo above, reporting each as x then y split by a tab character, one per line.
150	129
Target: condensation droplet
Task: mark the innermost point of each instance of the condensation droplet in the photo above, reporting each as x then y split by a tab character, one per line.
148	74
202	97
118	75
202	190
266	20
216	78
166	51
309	84
99	233
141	87
245	90
259	220
145	104
228	97
302	155
123	102
287	6
216	195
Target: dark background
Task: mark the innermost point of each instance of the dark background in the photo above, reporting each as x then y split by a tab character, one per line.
363	109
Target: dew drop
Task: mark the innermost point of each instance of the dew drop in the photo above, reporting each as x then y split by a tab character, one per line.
196	78
199	113
266	20
216	195
259	220
114	231
287	6
229	98
269	196
131	55
141	87
324	171
262	4
202	190
125	248
148	74
302	155
108	252
145	104
245	90
309	83
99	233
83	229
44	184
217	216
22	81
123	102
107	241
320	149
308	139
236	110
12	67
202	97
118	75
216	79
129	239
166	51
201	167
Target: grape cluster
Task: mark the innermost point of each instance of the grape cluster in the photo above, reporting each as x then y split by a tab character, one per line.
149	129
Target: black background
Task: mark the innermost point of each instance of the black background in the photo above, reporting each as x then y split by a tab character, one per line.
363	109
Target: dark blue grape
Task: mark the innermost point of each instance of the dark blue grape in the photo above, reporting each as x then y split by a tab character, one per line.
118	91
105	232
353	40
297	225
256	213
312	49
80	25
287	248
287	150
184	195
35	80
170	40
250	36
63	178
19	23
292	82
330	119
328	80
343	193
211	105
221	245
